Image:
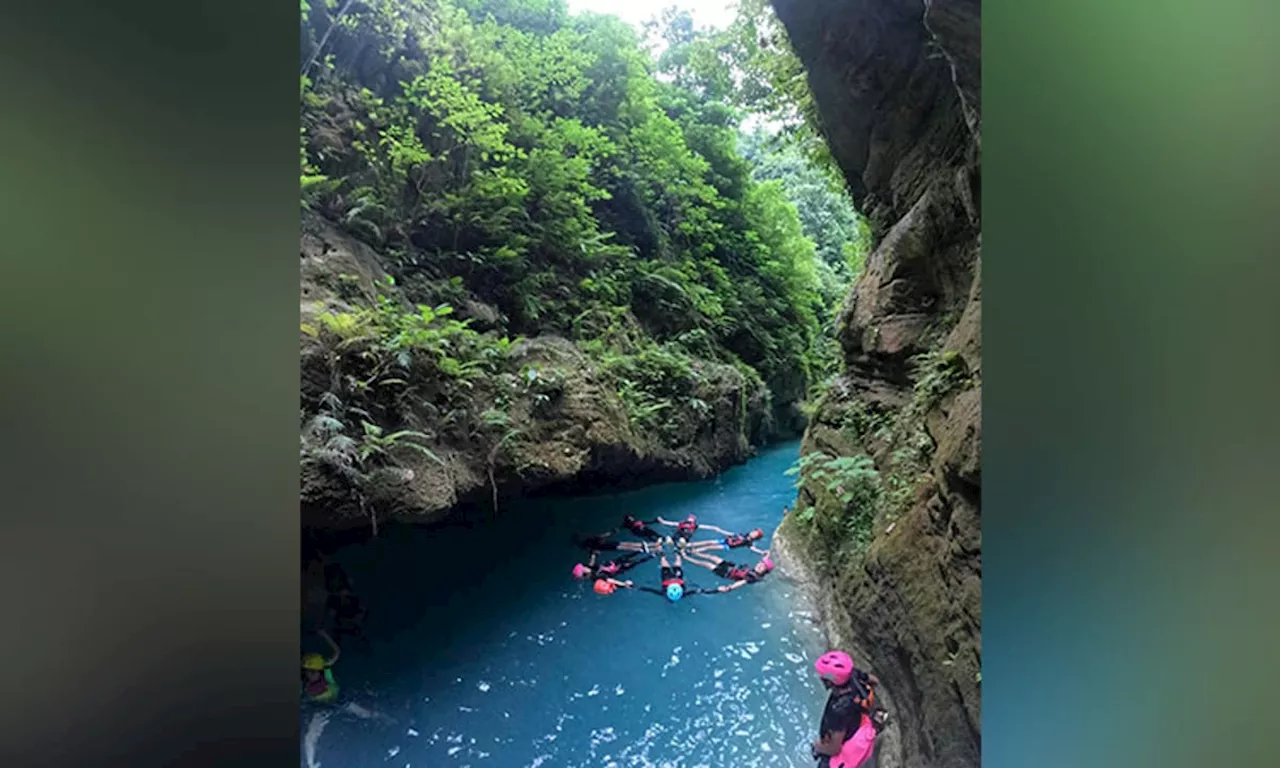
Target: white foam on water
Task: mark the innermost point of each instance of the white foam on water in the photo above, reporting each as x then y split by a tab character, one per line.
454	750
794	658
539	760
483	686
619	690
674	660
314	728
393	752
765	747
766	625
412	732
602	736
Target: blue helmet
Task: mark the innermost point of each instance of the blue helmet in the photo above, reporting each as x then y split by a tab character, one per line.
674	592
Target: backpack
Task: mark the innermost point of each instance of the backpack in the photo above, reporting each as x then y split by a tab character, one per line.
863	695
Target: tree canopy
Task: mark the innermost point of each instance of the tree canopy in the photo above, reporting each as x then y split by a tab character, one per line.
549	166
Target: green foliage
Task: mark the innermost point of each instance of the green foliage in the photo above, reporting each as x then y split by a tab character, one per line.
856	488
840	235
774	82
544	164
938	373
391	340
359	457
535	156
653	381
327	440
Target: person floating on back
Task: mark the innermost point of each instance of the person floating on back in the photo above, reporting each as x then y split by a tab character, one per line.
686	528
740	575
317	673
731	541
603	542
610	569
851	720
673	586
640	528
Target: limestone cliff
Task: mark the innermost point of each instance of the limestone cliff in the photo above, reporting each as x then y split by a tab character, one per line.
897	85
550	418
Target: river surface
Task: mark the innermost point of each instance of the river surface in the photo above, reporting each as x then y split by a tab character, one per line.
482	650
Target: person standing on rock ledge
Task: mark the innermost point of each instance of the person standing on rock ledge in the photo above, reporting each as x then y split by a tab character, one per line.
851	720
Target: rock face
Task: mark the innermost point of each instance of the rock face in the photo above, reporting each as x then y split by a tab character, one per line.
897	85
566	431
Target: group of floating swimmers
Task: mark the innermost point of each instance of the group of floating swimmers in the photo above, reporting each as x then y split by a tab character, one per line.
851	719
671	574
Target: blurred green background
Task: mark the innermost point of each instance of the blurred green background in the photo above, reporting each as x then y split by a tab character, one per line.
148	339
1132	344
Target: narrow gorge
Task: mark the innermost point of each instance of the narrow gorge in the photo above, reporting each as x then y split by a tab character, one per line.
542	256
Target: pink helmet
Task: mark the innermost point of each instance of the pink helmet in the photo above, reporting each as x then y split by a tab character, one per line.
580	571
768	562
836	666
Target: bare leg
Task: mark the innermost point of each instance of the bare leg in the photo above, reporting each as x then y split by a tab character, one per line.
703	546
709	563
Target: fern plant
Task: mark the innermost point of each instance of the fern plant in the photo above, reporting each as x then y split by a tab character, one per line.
854	483
938	373
326	440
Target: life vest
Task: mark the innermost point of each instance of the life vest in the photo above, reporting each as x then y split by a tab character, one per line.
687	526
323	689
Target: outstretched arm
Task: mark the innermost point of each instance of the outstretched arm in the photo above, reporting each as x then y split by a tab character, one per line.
661	521
731	587
617	583
715	528
336	650
760	552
